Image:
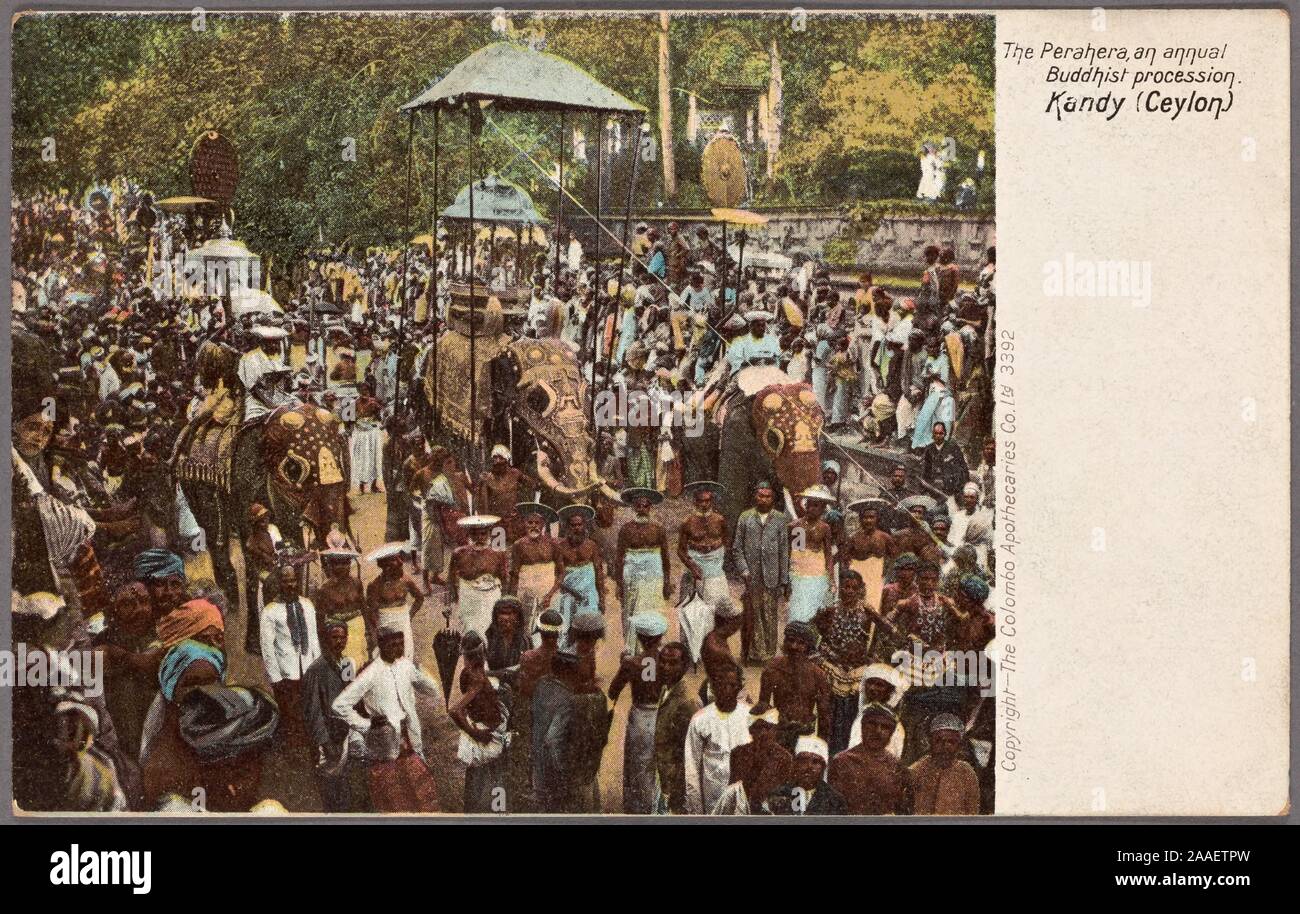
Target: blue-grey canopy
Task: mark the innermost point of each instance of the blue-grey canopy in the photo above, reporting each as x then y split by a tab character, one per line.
517	78
495	200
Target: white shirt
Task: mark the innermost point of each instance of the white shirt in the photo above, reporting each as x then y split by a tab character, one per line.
387	690
282	661
709	741
109	382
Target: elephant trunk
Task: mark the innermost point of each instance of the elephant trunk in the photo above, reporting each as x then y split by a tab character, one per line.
798	471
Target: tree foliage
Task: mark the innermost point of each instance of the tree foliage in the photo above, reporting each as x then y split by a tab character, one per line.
130	95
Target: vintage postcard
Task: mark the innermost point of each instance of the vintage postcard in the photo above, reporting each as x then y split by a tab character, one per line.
625	413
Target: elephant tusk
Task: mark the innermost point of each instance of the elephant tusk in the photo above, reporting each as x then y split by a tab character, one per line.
789	504
610	492
548	478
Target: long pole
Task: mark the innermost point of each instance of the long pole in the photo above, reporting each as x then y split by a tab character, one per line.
473	331
406	256
559	208
433	304
723	263
742	236
598	335
622	264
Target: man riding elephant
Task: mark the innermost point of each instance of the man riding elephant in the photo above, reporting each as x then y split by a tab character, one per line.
289	456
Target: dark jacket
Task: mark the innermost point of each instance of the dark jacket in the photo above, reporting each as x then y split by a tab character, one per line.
673	720
321	684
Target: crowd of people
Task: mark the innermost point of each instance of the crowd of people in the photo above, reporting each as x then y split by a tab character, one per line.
858	605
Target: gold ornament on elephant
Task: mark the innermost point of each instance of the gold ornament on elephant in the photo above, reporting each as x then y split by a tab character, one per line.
789	418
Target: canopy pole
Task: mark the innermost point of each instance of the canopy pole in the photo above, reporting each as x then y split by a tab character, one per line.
741	237
519	255
622	265
433	302
406	256
722	285
559	208
598	331
473	330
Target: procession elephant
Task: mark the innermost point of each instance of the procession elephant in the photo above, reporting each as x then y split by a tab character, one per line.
543	403
294	462
769	429
530	396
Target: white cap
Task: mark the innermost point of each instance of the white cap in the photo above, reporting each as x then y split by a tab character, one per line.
813	745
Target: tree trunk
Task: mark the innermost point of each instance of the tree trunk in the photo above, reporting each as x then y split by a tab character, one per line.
774	106
666	112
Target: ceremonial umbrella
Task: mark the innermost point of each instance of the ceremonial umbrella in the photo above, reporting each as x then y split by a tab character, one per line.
446	651
184	204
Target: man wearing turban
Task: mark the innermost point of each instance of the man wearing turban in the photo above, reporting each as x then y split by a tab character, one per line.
163	573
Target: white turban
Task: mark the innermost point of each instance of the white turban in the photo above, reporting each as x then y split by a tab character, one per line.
814	745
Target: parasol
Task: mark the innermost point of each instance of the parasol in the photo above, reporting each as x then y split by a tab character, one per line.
739	216
446	651
184	204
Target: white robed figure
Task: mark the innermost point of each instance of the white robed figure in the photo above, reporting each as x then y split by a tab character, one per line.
756	347
939	406
934	174
712	735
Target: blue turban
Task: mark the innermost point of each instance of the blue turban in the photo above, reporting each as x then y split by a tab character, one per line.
157	563
974	587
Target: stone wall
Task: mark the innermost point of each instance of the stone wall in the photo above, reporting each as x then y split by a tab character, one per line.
895	247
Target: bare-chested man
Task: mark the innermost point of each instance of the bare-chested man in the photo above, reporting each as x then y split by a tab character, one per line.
871	780
642	571
797	687
476	574
869	550
579	569
700	541
811	556
481	717
715	649
533	561
501	489
393	597
340	597
640	672
927	615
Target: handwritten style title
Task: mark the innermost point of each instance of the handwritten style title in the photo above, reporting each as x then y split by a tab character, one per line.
1172	82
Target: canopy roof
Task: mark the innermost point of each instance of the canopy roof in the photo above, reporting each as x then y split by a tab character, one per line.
517	78
495	200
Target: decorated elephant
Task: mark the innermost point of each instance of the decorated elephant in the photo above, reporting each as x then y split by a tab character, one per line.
769	429
530	396
294	462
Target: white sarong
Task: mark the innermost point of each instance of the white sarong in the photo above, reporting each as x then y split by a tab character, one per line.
367	447
475	600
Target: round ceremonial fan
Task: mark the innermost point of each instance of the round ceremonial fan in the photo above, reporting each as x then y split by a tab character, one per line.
722	170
